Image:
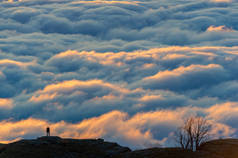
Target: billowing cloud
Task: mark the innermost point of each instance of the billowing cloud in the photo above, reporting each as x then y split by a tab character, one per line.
72	86
128	71
113	126
138	131
181	78
132	25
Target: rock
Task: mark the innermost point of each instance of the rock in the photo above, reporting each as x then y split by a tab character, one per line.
56	147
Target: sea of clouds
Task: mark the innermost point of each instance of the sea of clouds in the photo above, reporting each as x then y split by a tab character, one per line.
125	71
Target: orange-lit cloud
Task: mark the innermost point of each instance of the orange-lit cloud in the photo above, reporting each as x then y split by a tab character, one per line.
107	2
120	59
137	131
185	77
6	103
148	66
224	111
16	130
112	126
71	84
209	54
43	97
74	86
8	62
174	56
222	28
151	97
182	70
221	1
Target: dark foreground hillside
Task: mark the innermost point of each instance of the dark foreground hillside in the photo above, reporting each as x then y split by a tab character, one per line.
55	147
162	153
222	148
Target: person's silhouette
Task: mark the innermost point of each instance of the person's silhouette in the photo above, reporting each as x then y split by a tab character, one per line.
48	131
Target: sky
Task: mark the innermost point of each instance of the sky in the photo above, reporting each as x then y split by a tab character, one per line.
126	71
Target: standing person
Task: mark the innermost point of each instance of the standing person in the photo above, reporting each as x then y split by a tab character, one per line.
48	131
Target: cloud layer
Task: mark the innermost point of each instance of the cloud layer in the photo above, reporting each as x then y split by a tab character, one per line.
126	71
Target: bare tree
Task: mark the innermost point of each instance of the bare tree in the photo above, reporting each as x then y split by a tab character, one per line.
193	133
182	138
